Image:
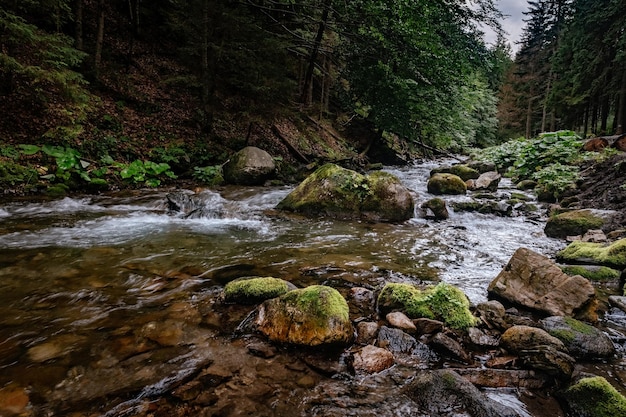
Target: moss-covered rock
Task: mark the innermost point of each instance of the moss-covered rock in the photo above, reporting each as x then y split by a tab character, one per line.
443	302
249	166
311	316
443	183
438	207
613	255
254	290
342	193
573	223
462	171
594	397
582	340
592	272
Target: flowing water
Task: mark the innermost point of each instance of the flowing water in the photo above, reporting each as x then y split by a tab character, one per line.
92	283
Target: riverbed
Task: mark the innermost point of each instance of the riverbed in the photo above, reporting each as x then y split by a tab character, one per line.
95	289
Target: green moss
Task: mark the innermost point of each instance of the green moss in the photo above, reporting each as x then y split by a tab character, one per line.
446	184
576	327
601	273
613	255
443	302
255	289
595	397
462	171
12	174
320	301
572	223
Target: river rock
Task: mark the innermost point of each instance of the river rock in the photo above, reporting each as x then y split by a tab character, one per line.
534	281
504	378
618	301
575	222
445	393
249	166
341	193
14	401
493	315
443	302
486	181
446	184
594	397
396	340
428	326
400	321
312	316
460	170
366	332
480	338
581	340
438	208
450	347
613	255
362	301
538	350
253	290
372	359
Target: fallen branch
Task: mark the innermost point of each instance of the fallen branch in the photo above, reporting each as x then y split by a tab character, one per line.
287	143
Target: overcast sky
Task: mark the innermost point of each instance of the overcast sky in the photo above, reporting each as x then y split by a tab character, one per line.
513	23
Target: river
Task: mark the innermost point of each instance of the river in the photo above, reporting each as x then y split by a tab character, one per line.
92	286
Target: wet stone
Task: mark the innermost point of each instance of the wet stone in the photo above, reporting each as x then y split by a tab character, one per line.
479	338
451	348
372	359
366	332
400	321
427	326
396	340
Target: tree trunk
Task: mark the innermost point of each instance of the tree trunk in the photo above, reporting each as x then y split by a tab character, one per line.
78	17
99	38
529	116
621	108
308	78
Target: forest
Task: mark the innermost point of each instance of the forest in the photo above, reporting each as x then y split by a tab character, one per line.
96	91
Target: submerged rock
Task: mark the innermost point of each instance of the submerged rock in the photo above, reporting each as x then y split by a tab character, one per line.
442	302
249	166
534	281
312	316
341	193
372	359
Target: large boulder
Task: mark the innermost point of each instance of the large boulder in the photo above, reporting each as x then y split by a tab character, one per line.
312	316
575	222
581	340
534	281
342	193
249	166
443	302
446	184
487	181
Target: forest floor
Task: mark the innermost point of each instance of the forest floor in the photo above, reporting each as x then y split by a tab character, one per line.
603	186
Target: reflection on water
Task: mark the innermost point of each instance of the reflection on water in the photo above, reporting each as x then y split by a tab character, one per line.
81	279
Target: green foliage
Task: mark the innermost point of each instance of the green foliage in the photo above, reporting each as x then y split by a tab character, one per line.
12	174
551	160
147	172
38	66
210	175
